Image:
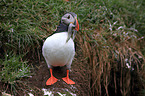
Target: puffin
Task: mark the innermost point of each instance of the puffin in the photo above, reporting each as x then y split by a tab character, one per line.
59	49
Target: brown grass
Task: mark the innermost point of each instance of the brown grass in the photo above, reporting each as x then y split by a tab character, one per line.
107	55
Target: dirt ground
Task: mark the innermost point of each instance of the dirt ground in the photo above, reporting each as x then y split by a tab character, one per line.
79	73
42	74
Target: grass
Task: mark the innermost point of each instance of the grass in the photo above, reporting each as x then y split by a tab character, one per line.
107	62
13	69
110	37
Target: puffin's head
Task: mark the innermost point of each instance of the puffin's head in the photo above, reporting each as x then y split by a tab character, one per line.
69	18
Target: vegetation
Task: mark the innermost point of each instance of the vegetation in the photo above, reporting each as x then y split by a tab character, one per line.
12	70
111	39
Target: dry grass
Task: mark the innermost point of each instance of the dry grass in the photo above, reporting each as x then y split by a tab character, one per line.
107	55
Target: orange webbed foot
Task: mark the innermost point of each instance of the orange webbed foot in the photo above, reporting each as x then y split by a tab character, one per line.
52	79
67	79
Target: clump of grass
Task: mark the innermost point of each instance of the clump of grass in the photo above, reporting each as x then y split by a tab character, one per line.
20	30
13	69
114	56
115	62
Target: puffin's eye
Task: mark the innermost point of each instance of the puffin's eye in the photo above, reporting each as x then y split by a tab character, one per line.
68	17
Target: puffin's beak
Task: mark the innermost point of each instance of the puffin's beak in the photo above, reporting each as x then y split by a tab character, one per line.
77	25
76	28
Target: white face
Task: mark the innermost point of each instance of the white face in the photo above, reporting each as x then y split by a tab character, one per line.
67	19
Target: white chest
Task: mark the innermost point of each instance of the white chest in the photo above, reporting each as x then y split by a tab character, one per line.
56	51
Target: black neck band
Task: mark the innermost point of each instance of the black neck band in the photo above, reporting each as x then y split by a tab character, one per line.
62	28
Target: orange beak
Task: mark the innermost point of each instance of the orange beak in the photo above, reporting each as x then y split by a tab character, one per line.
77	25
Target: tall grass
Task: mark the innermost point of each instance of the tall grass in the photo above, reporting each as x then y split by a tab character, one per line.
20	23
115	63
110	43
109	37
13	69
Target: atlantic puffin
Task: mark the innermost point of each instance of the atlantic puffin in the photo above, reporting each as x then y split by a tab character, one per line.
58	49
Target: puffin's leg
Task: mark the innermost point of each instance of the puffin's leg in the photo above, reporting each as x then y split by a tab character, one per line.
52	79
67	80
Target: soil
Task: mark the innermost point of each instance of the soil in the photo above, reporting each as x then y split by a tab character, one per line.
78	73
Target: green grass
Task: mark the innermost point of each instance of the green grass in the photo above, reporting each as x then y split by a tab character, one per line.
13	69
105	25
